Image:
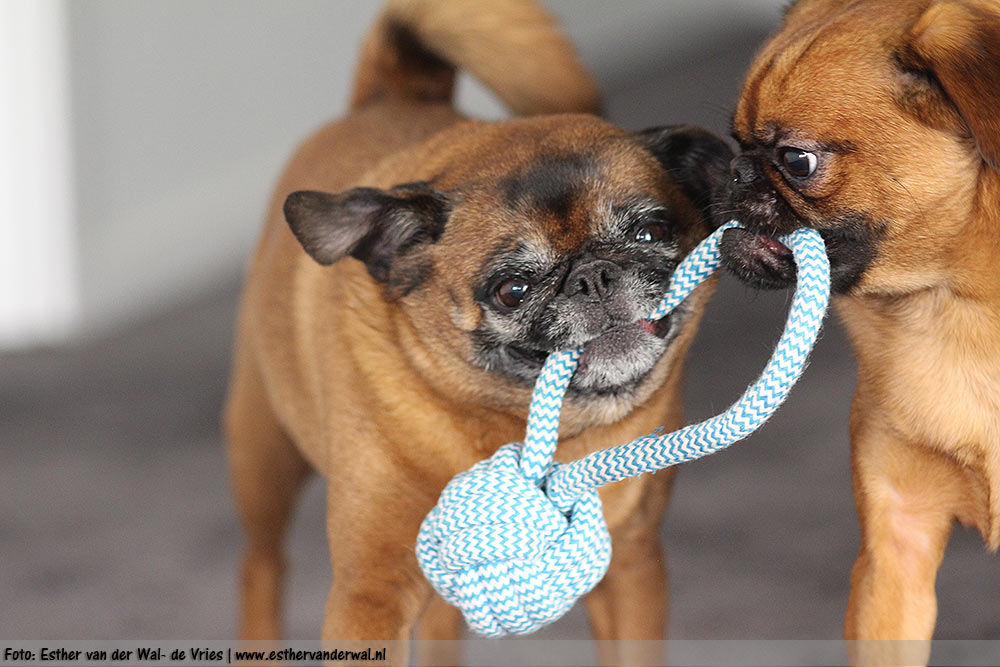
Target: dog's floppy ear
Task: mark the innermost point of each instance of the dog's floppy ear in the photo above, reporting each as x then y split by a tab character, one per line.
695	159
375	226
959	41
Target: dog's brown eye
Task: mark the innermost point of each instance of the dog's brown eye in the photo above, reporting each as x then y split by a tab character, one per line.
650	233
512	293
798	163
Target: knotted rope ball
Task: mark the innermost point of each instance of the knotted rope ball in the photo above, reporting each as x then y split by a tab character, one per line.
517	539
503	553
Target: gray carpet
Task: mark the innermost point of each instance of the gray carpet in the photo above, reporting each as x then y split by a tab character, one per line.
116	520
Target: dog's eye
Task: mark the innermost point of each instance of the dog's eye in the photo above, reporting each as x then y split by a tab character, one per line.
798	163
650	233
512	292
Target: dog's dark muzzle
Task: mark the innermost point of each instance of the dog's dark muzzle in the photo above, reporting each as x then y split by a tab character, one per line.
752	253
757	259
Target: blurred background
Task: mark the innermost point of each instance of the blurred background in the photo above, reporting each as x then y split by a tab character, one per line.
138	145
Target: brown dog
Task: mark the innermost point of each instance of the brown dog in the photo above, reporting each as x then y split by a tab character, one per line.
878	123
391	331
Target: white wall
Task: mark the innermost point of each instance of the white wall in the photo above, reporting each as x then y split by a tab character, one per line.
183	112
39	292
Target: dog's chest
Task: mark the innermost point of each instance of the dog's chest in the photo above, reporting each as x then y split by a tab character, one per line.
946	390
951	402
934	373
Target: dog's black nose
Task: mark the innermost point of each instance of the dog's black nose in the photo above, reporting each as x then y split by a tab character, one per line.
594	279
744	170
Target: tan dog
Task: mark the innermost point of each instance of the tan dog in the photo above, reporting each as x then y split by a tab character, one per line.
391	331
878	123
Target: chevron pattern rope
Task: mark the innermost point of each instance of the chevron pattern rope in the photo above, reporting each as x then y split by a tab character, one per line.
518	538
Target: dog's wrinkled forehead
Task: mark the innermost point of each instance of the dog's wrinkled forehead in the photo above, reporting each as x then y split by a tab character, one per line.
829	57
539	238
551	197
557	191
569	197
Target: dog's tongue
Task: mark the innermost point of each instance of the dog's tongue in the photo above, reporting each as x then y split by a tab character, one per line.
648	326
773	245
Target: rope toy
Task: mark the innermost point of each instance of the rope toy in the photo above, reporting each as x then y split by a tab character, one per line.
518	538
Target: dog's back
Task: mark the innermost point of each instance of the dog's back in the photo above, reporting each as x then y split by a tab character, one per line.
402	95
512	46
405	77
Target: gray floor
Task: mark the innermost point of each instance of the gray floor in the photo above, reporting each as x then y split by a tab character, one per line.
116	520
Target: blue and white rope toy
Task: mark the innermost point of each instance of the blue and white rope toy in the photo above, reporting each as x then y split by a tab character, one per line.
518	538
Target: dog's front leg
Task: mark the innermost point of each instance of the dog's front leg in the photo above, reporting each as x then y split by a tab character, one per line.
439	627
630	603
378	590
906	497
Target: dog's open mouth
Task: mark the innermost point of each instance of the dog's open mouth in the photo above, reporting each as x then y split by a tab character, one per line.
760	260
529	355
598	345
621	341
618	359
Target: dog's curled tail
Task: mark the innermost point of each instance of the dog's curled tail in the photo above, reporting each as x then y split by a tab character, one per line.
513	46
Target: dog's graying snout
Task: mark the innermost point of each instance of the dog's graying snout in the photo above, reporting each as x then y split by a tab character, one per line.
594	279
744	170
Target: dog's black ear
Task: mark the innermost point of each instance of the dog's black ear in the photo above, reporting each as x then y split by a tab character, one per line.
375	226
695	159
